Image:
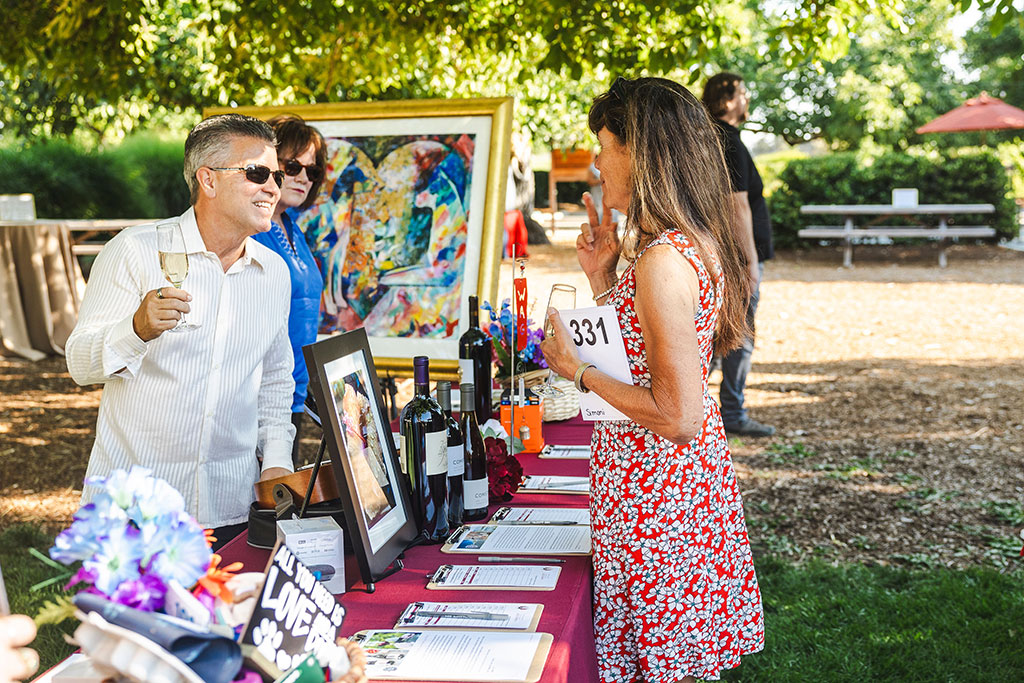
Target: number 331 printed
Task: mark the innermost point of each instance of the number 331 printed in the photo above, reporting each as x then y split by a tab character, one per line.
584	331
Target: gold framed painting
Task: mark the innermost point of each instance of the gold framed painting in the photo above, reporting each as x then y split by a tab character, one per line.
409	220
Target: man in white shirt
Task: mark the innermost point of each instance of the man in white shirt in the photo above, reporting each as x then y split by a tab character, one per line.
207	408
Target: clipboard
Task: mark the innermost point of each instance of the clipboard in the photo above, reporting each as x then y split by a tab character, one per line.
456	539
573	452
434	586
500	516
532	628
540	657
555	491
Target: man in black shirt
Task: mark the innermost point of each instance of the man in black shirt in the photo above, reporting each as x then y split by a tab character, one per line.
726	98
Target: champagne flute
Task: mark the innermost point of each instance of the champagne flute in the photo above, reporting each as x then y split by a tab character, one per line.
562	297
173	261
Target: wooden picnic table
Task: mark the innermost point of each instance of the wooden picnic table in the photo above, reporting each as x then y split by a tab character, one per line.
849	231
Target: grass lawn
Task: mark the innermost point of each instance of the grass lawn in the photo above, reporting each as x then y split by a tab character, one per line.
21	572
858	623
823	622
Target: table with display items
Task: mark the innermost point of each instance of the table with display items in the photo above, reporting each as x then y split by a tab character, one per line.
568	610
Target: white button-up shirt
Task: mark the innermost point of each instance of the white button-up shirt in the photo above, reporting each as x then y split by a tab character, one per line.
196	406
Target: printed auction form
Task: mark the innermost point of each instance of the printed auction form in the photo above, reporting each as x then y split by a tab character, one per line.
489	577
525	540
455	655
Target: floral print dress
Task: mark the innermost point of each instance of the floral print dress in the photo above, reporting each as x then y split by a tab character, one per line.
675	592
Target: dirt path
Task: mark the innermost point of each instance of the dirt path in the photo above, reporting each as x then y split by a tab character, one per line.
897	389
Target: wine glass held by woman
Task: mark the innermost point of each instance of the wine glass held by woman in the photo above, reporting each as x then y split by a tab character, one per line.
681	297
302	155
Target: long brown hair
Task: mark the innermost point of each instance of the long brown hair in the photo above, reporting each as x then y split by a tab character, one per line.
678	182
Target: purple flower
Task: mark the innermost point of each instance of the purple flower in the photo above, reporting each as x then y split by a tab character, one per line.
145	593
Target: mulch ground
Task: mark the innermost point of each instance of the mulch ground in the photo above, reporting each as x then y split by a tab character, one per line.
897	389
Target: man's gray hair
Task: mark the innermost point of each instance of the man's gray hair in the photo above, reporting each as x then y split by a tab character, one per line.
207	144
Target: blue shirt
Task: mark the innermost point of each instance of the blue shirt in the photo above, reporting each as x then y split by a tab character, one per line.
307	286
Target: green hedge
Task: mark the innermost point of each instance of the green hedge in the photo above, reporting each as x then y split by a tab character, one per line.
841	179
141	178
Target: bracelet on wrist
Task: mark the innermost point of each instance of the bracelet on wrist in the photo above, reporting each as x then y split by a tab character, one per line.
606	292
578	379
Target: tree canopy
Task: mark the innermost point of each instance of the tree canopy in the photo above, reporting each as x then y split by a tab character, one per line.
107	66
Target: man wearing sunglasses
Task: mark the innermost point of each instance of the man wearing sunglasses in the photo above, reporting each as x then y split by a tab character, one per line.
207	407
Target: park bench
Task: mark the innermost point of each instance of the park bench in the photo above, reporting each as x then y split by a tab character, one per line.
850	233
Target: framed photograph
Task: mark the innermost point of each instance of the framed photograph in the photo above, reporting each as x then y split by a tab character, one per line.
409	220
374	492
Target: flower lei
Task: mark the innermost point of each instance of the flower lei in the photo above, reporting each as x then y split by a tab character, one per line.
133	539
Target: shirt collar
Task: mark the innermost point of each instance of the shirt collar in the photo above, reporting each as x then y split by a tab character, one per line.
253	251
727	126
190	232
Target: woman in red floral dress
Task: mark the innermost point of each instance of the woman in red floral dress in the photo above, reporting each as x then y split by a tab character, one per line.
675	594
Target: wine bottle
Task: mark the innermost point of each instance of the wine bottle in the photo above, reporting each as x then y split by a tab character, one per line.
475	362
425	451
456	468
474	482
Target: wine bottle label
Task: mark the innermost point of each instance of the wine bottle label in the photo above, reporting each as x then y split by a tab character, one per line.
437	453
474	492
456	461
402	455
466	371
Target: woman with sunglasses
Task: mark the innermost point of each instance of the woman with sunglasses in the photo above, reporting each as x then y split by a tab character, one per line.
675	593
302	156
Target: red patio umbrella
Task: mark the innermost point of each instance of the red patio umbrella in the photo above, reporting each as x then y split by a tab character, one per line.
978	113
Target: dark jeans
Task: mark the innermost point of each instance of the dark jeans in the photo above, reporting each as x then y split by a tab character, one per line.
736	366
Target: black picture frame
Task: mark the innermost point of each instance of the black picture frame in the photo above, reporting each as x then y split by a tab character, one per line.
374	492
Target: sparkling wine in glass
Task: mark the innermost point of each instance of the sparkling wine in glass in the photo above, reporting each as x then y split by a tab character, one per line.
562	297
173	261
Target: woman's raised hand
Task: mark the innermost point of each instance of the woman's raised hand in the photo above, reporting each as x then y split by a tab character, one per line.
597	246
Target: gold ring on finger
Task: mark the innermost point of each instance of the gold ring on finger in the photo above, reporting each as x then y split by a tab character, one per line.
160	293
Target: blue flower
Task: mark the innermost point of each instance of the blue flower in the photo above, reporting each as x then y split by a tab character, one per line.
117	559
92	523
178	550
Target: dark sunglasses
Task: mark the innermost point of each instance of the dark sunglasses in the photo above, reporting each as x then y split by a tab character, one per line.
254	173
620	88
293	167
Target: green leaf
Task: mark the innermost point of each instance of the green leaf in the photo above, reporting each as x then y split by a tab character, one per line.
55	611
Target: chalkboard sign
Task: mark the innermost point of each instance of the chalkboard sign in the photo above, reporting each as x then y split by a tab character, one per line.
294	615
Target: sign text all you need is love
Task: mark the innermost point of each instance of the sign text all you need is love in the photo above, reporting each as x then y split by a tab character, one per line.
294	615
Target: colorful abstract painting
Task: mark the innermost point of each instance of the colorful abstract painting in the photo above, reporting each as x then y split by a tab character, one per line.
389	232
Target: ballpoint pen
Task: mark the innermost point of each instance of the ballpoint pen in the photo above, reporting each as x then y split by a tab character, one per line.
523	560
483	616
527	522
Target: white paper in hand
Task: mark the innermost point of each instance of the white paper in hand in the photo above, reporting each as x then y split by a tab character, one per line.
596	333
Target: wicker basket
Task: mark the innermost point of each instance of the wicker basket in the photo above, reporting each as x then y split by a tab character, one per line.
562	407
530	379
357	663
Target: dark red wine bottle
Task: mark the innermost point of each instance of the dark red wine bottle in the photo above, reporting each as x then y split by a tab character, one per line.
455	455
425	451
475	362
474	481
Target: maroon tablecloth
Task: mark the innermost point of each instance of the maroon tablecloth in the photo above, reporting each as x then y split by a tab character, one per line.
568	612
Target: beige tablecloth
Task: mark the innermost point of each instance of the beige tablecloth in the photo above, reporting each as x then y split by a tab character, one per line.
41	287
